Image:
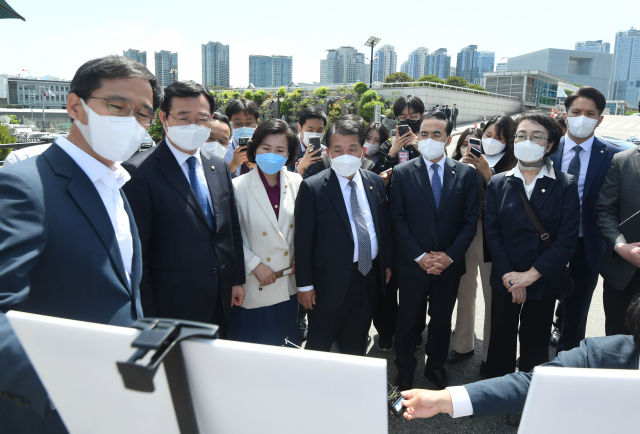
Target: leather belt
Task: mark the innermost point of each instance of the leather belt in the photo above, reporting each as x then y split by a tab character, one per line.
279	274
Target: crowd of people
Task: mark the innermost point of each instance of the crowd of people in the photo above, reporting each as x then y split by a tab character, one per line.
241	222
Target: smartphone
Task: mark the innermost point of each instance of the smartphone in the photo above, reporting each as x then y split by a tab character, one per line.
403	129
243	141
387	172
475	151
314	143
475	143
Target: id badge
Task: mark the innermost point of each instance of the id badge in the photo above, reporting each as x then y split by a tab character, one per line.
403	156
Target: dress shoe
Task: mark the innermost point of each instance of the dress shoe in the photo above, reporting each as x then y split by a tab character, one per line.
456	357
404	382
385	344
555	337
439	377
420	343
514	419
482	365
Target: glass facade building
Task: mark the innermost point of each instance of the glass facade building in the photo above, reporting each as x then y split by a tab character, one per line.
472	64
215	64
439	64
385	62
270	71
166	61
536	88
625	83
137	55
31	93
594	46
344	65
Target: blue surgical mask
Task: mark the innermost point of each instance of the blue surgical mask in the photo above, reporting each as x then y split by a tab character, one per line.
239	133
270	163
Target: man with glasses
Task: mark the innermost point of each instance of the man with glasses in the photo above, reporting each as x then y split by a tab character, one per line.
185	209
218	141
69	246
434	213
244	116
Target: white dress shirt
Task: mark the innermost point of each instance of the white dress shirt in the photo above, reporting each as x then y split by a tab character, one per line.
108	182
182	158
545	171
24	154
441	175
585	156
366	212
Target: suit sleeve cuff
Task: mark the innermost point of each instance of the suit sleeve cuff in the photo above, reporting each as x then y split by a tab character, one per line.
252	264
305	288
450	259
460	401
420	257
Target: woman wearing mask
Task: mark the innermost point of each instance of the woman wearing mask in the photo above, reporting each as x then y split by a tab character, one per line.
265	201
376	135
497	157
528	271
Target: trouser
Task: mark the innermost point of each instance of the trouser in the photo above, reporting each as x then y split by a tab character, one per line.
576	305
616	304
466	316
384	317
348	323
439	292
453	121
219	319
535	318
559	314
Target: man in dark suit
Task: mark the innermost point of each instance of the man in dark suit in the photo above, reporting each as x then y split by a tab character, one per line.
185	208
619	199
587	158
434	213
342	244
325	163
69	246
454	116
447	112
311	123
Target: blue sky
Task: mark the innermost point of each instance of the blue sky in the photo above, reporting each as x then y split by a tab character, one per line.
60	35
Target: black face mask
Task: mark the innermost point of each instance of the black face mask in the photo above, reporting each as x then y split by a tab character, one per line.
414	125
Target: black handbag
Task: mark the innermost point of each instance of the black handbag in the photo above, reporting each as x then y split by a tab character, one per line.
544	236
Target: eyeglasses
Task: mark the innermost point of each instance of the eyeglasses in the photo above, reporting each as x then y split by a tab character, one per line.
122	108
251	124
412	117
535	138
202	121
424	135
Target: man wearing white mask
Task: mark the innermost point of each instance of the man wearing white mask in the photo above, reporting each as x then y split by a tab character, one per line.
587	158
434	213
218	142
69	246
342	244
244	116
311	124
185	209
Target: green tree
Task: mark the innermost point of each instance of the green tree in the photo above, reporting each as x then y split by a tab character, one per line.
259	96
235	94
577	85
568	92
157	131
367	110
359	88
431	78
248	94
285	107
281	92
456	81
370	95
321	92
476	87
398	77
13	119
5	139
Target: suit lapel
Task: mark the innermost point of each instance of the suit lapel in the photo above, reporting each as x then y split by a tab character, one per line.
287	201
370	188
213	184
556	157
421	174
538	198
595	161
260	194
170	169
636	161
335	194
136	262
449	178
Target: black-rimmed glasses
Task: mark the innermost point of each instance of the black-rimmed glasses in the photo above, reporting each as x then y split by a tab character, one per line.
119	107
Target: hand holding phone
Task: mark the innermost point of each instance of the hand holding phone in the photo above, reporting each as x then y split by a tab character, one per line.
314	143
403	129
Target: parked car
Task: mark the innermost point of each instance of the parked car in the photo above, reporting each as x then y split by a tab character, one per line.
635	114
617	142
634	139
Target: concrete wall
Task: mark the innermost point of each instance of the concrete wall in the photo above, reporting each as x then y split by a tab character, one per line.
471	107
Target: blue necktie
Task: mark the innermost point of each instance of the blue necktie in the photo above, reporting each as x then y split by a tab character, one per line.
436	185
200	191
574	165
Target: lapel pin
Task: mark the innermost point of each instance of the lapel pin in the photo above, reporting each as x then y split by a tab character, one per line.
213	167
602	152
370	187
543	190
453	172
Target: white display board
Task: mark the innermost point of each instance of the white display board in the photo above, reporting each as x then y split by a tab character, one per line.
237	387
585	401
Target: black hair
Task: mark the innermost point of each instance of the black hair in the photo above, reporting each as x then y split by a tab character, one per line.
544	119
476	132
411	101
439	115
354	118
346	127
633	319
311	113
242	105
217	116
89	76
587	92
381	129
272	126
505	128
186	89
560	119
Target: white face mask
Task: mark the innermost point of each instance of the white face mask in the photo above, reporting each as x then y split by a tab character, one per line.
188	137
239	133
463	150
214	149
371	149
306	135
492	146
114	138
581	126
431	149
346	165
528	152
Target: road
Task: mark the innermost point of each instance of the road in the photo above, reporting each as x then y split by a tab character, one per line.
620	127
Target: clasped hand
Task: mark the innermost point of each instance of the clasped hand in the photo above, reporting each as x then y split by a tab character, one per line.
435	262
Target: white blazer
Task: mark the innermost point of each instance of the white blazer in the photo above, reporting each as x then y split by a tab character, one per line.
265	239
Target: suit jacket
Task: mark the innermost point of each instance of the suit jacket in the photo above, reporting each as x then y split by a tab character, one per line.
454	112
60	258
619	199
506	395
267	240
601	154
325	163
324	241
185	264
419	227
514	242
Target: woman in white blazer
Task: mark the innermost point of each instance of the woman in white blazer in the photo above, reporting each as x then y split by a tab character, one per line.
266	198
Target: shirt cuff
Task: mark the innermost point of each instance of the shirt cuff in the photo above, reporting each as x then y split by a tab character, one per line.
305	288
450	259
460	401
617	245
420	257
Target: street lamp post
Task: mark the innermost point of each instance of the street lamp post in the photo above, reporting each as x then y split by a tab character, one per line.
371	42
45	92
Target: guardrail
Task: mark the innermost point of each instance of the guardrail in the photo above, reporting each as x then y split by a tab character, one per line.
445	87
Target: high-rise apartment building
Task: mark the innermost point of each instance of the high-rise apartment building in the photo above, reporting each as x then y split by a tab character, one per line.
344	65
502	64
417	63
166	67
215	64
385	62
471	63
405	68
137	55
625	82
270	71
439	64
594	46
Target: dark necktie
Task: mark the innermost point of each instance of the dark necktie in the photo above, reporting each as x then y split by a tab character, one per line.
574	165
364	242
436	185
200	191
